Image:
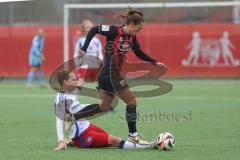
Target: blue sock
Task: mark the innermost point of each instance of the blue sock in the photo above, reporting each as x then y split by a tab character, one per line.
30	77
40	77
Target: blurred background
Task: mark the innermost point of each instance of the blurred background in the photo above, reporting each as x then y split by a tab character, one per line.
191	41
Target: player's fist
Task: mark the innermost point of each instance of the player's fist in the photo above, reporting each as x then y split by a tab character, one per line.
61	145
162	66
81	53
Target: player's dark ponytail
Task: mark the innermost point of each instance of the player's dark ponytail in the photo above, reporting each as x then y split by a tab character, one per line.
62	75
132	15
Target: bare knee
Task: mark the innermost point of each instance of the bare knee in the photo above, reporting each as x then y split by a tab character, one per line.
128	97
105	102
132	102
104	106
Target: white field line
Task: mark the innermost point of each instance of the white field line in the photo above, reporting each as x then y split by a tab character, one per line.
202	98
162	97
27	95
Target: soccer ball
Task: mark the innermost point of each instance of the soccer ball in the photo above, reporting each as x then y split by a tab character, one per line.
165	141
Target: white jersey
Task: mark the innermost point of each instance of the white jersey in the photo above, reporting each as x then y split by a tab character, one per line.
93	53
68	103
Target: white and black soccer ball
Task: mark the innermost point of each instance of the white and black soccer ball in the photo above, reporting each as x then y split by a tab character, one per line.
165	141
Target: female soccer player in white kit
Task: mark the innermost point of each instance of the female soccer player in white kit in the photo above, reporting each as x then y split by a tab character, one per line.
89	64
83	133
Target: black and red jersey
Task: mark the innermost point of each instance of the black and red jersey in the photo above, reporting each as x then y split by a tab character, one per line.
118	43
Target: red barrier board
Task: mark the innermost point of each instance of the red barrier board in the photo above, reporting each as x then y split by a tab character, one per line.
15	46
189	50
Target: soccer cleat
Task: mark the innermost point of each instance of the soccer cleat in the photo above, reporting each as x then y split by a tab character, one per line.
137	139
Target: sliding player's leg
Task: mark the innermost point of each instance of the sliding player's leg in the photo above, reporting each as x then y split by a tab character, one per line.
92	109
95	137
103	139
115	141
131	145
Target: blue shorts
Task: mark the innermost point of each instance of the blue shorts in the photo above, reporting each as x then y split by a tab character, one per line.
35	61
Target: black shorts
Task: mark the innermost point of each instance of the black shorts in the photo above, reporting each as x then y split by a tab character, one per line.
36	65
110	80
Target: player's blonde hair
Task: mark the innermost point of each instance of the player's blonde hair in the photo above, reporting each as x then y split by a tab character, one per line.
40	31
85	23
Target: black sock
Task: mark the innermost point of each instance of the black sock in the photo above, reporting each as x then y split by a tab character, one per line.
87	111
131	117
121	144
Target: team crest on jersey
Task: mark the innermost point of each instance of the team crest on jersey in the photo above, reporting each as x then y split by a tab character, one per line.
124	47
105	28
89	139
122	82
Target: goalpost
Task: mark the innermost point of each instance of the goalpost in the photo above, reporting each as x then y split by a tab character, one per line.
68	7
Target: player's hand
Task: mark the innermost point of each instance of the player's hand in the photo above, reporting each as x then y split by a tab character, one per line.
81	53
162	66
99	61
61	146
43	57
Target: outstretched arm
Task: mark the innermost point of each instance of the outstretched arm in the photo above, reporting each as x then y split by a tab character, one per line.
60	133
105	30
140	54
60	116
90	35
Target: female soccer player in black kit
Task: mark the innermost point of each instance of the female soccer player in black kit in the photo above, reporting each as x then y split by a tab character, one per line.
119	40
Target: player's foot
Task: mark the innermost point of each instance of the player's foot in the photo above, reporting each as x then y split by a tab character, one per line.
137	139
